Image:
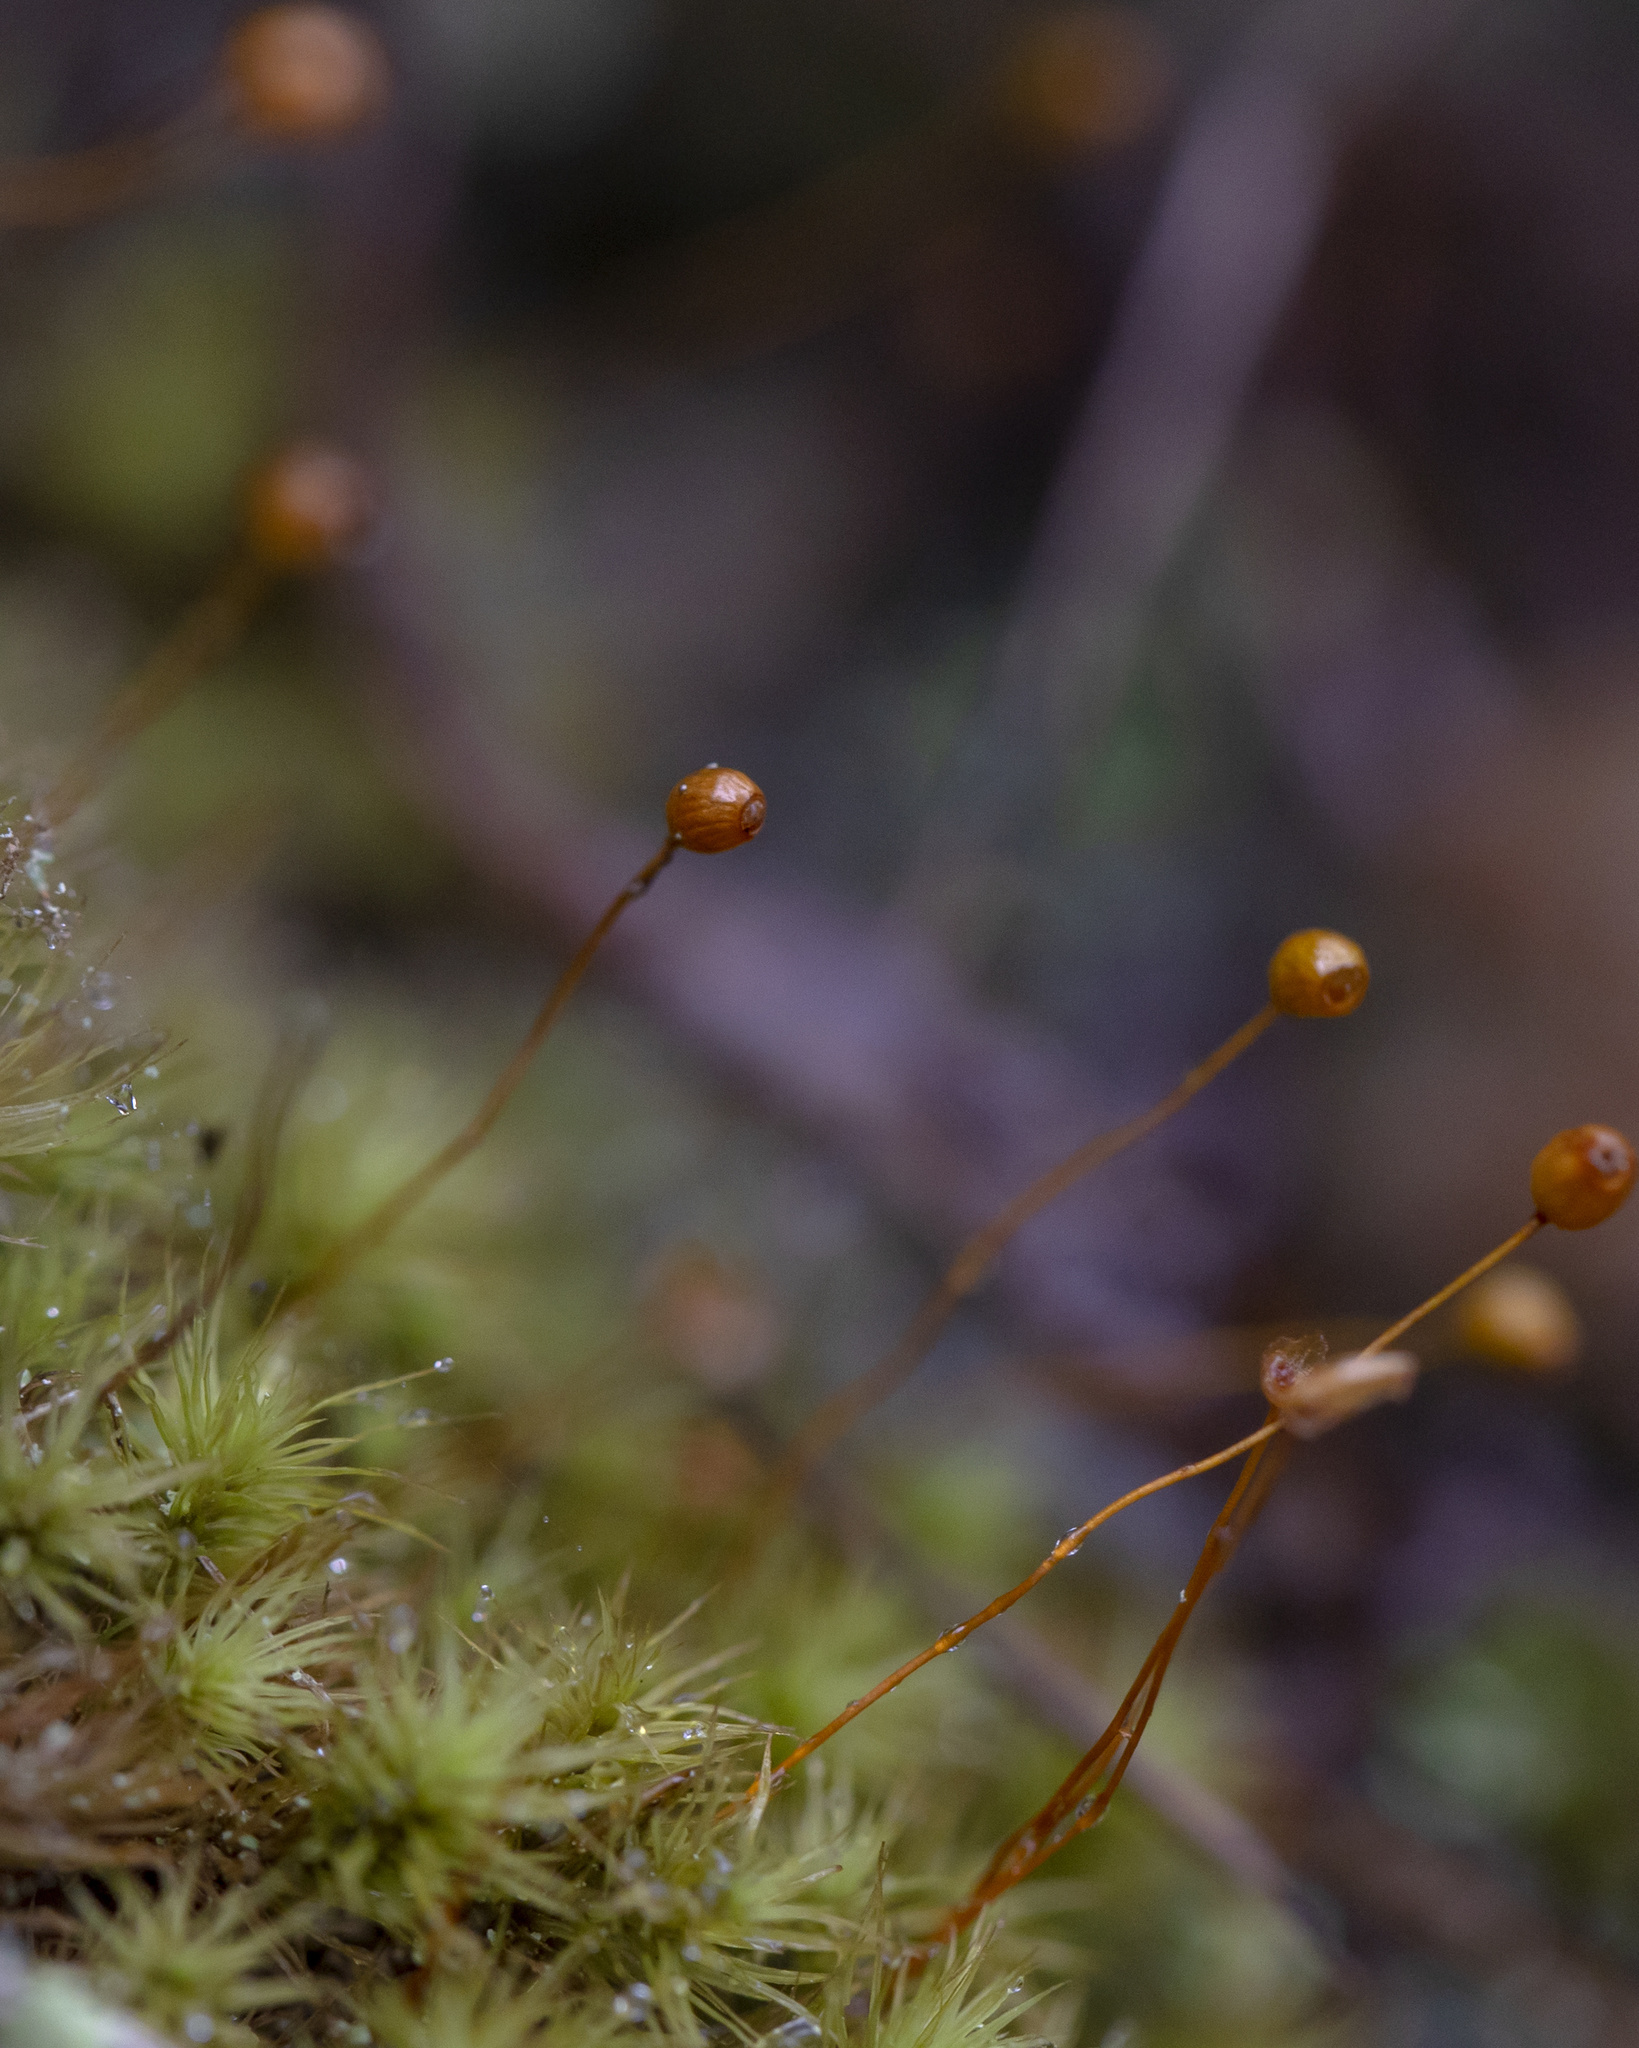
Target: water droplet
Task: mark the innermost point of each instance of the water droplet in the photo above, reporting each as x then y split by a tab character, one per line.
338	1566
443	1365
199	2026
123	1100
52	1314
415	1418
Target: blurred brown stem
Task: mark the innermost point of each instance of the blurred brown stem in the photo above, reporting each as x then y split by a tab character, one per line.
834	1418
293	1061
382	1221
212	624
780	272
58	191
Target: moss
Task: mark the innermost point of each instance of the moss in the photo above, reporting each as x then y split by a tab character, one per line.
285	1767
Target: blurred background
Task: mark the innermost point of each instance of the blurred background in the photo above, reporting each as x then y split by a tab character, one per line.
1126	485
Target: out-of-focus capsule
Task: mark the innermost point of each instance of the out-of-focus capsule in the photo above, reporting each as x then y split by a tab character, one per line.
308	506
1522	1318
303	73
712	1321
1089	78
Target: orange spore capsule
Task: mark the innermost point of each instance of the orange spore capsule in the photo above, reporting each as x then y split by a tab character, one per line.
715	809
1582	1176
308	506
304	73
1318	974
1521	1318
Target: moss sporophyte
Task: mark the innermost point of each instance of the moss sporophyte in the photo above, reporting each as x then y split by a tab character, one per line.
304	1742
254	1790
260	1786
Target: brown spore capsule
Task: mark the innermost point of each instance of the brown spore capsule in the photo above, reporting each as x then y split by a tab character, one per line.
715	809
1521	1318
308	506
1581	1176
1318	974
304	73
